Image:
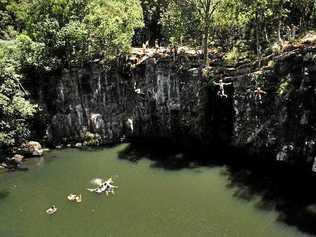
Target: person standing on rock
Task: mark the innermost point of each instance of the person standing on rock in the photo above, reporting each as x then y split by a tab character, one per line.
222	85
259	92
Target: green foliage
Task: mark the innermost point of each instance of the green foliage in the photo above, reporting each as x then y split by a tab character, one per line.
258	23
285	87
92	139
50	35
30	52
13	15
180	22
15	109
238	53
233	56
74	32
112	25
152	11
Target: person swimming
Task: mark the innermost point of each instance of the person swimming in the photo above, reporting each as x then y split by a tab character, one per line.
51	210
106	186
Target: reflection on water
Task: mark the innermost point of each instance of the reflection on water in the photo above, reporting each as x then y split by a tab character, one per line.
160	194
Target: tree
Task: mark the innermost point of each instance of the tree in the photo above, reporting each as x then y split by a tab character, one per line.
77	31
205	9
152	11
197	13
15	108
180	22
13	14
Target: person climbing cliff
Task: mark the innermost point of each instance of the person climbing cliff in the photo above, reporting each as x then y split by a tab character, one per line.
258	93
222	85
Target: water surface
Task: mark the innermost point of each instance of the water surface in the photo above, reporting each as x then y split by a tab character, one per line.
149	202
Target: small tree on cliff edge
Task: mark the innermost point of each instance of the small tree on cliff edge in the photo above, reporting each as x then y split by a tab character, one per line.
205	9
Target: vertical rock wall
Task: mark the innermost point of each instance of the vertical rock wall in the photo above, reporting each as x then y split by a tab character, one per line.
88	100
283	124
155	100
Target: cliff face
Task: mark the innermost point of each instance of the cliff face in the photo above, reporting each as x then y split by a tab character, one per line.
283	122
161	98
155	100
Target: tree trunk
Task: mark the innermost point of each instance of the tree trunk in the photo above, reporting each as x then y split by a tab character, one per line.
266	34
207	18
205	46
258	38
280	21
279	30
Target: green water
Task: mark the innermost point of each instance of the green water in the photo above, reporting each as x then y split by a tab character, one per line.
149	201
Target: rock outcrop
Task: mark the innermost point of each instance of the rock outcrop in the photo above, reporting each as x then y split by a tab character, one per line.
29	149
283	123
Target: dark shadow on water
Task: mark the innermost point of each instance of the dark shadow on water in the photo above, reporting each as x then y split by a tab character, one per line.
4	194
167	157
290	191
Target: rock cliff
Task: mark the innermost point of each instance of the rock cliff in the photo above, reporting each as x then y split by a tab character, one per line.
283	122
171	98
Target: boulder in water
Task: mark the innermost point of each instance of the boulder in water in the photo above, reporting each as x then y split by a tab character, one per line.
18	158
32	148
78	145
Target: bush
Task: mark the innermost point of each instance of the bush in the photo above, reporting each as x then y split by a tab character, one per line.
233	56
15	108
92	139
285	87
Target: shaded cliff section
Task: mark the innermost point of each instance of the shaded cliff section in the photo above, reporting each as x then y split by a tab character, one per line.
168	98
282	125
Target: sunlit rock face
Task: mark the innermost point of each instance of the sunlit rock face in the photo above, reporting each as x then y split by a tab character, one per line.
170	102
155	100
88	100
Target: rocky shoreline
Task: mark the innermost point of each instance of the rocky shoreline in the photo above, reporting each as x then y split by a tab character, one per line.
27	150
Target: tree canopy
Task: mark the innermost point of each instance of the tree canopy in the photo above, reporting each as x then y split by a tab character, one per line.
260	20
15	107
76	31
